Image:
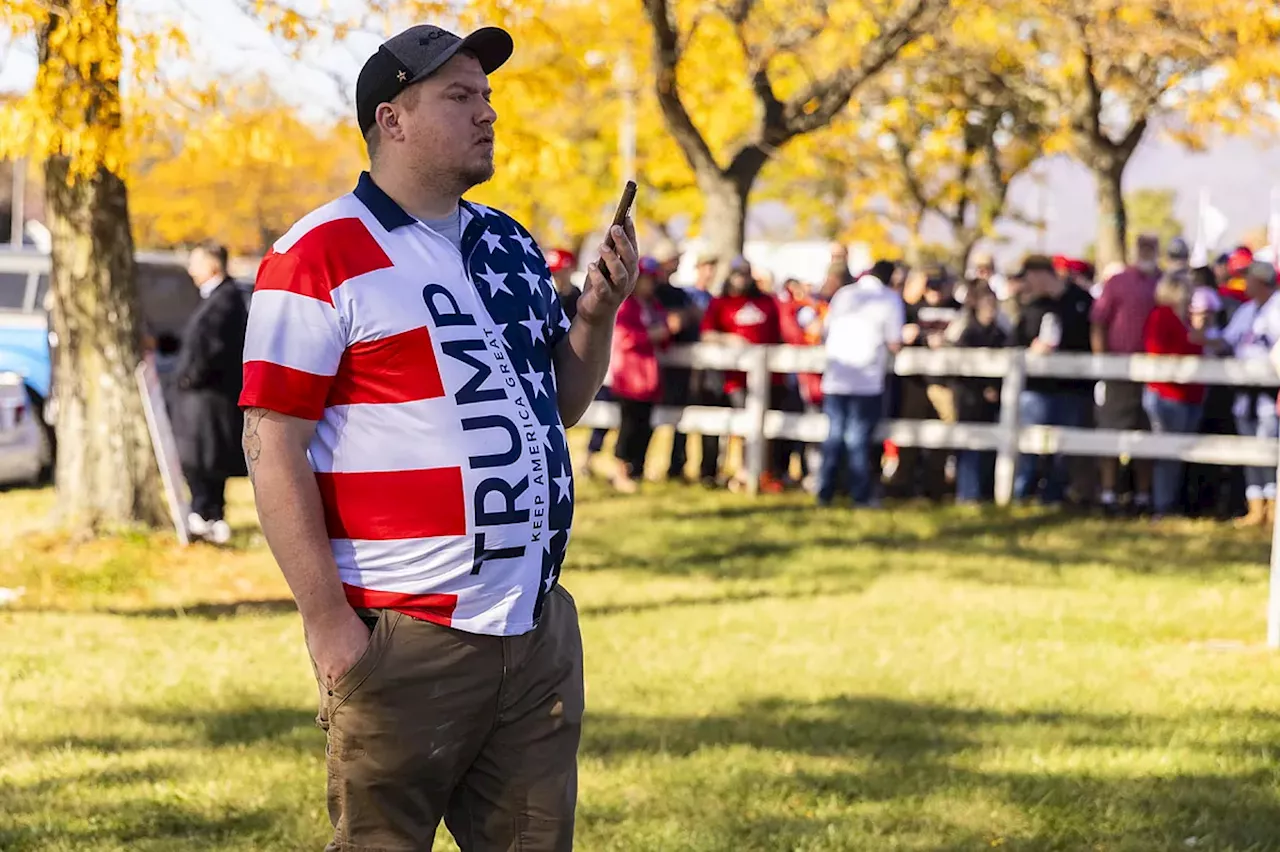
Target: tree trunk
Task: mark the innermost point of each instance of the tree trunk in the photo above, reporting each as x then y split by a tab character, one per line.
1113	223
724	220
106	472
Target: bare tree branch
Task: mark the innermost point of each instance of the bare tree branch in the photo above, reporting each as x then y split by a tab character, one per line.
817	104
666	59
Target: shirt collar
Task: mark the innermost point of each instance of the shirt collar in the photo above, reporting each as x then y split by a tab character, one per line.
207	288
389	214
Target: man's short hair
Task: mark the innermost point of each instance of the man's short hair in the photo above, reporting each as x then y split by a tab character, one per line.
215	250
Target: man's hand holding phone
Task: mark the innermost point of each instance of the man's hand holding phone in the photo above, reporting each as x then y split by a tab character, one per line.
611	279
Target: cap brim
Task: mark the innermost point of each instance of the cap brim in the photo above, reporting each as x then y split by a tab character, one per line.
492	46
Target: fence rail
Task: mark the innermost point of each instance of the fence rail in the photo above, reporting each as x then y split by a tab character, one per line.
756	424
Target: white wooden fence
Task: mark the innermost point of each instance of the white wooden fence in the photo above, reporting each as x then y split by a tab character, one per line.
756	423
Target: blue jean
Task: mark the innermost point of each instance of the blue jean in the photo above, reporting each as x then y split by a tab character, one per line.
1255	413
1169	416
852	422
1039	408
975	476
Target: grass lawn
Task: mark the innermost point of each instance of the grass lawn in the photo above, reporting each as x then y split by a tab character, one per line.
760	676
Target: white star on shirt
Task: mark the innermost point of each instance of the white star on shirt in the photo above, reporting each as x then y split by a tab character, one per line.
536	381
496	280
494	242
562	486
535	327
501	331
564	436
546	544
533	279
525	243
564	323
546	436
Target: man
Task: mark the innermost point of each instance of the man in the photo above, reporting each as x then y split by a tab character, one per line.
562	264
1254	333
704	282
840	260
409	373
1055	318
863	326
984	269
1178	254
742	314
1118	318
207	379
683	318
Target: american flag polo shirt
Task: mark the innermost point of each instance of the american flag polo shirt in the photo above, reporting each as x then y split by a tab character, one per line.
440	455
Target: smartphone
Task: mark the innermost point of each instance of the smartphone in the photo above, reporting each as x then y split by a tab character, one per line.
619	218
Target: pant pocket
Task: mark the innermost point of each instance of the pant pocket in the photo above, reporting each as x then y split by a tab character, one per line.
359	673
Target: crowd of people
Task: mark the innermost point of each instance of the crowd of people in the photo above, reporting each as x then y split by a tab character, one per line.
1160	304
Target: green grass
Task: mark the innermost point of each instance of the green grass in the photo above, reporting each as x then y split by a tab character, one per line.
760	676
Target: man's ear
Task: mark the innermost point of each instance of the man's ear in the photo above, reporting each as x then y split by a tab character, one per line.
388	120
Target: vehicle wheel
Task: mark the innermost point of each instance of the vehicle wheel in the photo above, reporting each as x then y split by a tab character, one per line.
48	440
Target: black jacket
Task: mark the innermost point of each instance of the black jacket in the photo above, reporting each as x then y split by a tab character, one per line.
1072	309
972	405
207	384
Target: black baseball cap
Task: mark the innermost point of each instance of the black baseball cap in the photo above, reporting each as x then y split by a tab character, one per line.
1036	263
413	55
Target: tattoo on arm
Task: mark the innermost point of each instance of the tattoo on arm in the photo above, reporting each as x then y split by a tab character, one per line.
251	442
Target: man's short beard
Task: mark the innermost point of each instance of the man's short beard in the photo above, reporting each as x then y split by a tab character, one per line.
473	177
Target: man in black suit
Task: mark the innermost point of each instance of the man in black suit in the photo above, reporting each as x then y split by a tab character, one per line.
208	420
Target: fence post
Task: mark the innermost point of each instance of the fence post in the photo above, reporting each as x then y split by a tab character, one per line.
1273	597
758	381
1010	424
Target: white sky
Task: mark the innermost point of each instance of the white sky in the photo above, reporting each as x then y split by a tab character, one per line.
228	45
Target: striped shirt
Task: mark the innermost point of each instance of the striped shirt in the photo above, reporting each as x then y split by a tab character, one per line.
439	452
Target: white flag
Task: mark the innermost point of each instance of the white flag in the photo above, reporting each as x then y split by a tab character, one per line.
1210	229
1273	225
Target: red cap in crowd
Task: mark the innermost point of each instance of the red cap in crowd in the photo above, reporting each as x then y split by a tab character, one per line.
1239	261
1061	264
1079	267
561	259
648	266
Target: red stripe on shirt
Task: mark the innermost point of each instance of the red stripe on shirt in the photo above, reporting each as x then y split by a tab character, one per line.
394	504
295	393
323	259
437	609
399	368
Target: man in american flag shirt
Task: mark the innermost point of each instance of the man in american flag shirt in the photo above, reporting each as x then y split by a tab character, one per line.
408	375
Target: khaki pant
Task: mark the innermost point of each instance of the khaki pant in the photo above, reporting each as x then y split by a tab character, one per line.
433	723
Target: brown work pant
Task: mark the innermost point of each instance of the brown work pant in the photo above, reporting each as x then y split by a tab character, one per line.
481	731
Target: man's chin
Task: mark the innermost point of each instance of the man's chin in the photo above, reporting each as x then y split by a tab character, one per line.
477	175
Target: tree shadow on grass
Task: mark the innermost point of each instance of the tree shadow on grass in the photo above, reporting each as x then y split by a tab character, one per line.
766	540
135	823
214	611
911	753
216	727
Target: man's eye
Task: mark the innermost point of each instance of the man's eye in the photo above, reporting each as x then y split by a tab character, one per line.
460	98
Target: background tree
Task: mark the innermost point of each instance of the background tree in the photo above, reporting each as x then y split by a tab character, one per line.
1109	71
783	69
1153	211
241	164
73	116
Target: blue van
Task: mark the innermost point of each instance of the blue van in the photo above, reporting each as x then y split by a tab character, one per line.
26	343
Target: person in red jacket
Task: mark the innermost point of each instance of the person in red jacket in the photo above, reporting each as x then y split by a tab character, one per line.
745	314
635	381
1171	408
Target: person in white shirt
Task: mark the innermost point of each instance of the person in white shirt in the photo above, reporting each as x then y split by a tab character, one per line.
1253	333
863	326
